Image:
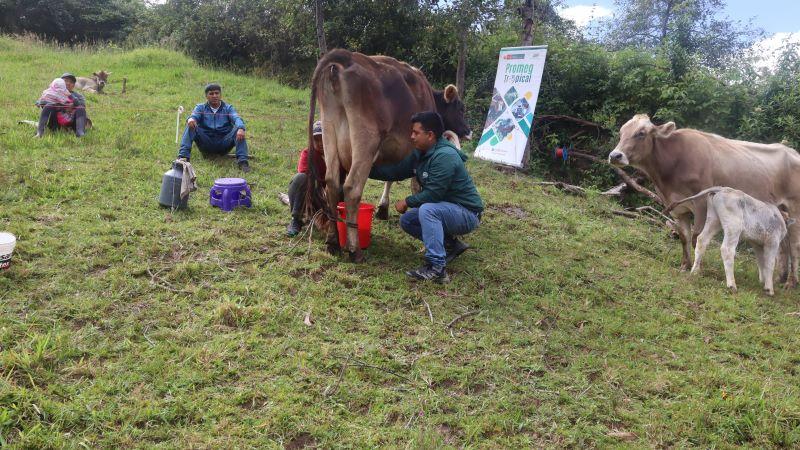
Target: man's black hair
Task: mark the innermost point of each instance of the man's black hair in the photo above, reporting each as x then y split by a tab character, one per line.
213	87
430	121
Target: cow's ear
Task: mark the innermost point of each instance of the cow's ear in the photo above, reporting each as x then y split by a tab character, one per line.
450	93
666	129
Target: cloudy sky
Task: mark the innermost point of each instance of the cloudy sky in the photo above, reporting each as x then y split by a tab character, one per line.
778	18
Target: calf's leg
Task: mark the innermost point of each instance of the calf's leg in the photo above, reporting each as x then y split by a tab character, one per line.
728	251
711	228
759	252
770	255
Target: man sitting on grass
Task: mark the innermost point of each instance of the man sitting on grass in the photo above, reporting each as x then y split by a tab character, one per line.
216	128
62	108
447	206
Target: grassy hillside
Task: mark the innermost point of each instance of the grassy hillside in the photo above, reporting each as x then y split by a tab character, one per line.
126	325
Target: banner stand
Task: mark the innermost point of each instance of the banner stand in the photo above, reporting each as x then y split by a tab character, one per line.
510	117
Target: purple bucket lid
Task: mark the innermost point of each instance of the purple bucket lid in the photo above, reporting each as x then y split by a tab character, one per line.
229	182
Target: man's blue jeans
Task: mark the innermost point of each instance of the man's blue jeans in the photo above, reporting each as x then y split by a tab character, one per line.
432	223
210	144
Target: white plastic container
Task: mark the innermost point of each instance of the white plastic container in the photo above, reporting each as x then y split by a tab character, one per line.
7	243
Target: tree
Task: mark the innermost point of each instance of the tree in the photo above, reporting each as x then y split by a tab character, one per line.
526	11
71	20
682	28
320	20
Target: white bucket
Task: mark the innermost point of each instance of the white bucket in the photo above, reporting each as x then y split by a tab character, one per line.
7	243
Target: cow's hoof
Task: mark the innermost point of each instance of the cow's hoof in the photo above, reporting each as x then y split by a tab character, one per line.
769	292
357	256
382	213
732	289
790	284
334	249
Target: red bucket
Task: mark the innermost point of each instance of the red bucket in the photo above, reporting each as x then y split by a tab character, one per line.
365	212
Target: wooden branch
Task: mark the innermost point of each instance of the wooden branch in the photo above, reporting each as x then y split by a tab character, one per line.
155	280
622	174
642	209
430	314
616	191
633	215
462	316
577	190
575	120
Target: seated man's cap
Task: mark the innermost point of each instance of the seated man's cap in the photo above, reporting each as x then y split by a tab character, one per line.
69	75
317	130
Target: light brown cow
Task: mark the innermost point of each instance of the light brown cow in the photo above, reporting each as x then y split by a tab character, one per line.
683	162
95	83
366	104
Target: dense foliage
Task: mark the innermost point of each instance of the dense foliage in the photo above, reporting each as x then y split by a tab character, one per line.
71	20
675	60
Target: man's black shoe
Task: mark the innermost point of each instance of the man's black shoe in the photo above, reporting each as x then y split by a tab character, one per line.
453	249
244	166
294	227
428	272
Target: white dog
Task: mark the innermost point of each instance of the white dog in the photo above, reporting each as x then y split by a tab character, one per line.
740	215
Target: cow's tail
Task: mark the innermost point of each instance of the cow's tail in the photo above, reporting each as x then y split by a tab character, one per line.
315	191
709	191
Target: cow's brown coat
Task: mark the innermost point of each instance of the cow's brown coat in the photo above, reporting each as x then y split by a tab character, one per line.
366	104
683	162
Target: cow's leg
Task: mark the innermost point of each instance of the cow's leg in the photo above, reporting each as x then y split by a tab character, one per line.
333	194
415	187
711	228
770	254
793	235
364	143
383	206
700	216
728	251
683	225
353	188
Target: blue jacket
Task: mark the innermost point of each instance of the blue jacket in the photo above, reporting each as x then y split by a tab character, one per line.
220	123
440	172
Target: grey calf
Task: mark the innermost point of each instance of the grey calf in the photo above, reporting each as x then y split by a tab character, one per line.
740	215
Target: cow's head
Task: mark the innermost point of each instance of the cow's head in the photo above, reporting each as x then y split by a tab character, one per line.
636	140
451	108
101	78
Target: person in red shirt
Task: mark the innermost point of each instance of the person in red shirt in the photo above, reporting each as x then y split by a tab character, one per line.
297	187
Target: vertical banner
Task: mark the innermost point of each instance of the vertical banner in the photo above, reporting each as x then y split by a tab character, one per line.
516	87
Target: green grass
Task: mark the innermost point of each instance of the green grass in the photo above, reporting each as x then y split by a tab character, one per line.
586	326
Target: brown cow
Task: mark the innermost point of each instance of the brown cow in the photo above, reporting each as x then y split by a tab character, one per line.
366	104
683	162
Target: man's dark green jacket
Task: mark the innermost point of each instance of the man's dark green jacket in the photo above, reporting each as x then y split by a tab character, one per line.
441	173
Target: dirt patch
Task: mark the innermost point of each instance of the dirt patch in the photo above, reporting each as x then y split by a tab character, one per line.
510	210
49	219
444	384
448	433
302	440
394	417
317	273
